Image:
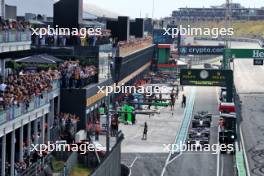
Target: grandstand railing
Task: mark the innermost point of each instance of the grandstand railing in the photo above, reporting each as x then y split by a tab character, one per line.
126	48
8	36
36	168
15	111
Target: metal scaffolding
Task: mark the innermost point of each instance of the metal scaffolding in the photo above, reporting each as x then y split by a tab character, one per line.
228	18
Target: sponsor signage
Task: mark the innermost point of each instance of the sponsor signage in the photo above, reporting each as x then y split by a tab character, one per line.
206	77
258	62
201	50
244	53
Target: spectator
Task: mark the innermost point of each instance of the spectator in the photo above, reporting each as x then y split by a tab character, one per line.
74	75
22	88
14	25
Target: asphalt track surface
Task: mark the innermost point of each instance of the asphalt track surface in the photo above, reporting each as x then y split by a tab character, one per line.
203	163
147	157
249	81
188	163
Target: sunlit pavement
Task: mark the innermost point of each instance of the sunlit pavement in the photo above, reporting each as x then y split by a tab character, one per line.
147	157
162	129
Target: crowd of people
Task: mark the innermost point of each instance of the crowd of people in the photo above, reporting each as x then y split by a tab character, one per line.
13	25
74	75
67	124
66	120
133	44
28	162
21	166
22	87
65	40
93	128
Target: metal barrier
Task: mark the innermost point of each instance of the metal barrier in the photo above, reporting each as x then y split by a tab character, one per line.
240	159
55	133
235	39
17	110
36	168
69	164
8	36
105	48
111	165
200	61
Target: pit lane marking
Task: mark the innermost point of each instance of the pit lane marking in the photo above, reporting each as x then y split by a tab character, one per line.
131	165
189	103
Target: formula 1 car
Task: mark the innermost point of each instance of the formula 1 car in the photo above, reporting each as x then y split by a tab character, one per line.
201	123
203	115
197	142
199	134
199	129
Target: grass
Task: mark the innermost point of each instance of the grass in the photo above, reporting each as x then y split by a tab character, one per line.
58	165
80	170
249	28
241	28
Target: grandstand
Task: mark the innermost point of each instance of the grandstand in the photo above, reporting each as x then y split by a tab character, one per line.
216	13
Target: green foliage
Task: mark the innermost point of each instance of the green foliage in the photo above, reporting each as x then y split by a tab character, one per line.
20	66
57	166
80	170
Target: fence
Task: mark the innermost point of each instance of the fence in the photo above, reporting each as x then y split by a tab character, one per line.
239	157
37	168
198	60
71	159
8	36
111	166
40	167
69	164
127	48
15	111
258	40
55	133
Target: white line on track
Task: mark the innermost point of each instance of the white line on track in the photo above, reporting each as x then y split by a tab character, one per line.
168	161
219	153
133	162
218	158
222	168
175	158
